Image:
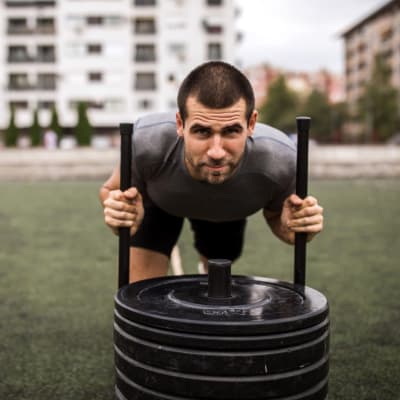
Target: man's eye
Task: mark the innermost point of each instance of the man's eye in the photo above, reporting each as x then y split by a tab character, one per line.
232	131
202	132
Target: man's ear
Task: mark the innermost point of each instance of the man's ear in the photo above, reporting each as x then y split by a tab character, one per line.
179	124
252	122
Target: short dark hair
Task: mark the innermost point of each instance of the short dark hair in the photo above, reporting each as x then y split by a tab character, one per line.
216	84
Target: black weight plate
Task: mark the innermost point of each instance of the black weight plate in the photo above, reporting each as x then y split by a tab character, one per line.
258	305
242	363
132	391
222	387
221	342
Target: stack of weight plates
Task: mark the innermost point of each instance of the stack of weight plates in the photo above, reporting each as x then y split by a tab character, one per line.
269	340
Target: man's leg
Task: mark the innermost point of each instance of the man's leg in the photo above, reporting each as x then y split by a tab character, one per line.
146	264
218	240
152	244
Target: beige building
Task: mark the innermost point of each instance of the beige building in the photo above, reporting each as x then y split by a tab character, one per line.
377	33
262	76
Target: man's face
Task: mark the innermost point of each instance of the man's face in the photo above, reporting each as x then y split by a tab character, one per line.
214	139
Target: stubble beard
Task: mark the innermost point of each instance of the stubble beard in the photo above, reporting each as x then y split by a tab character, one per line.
200	172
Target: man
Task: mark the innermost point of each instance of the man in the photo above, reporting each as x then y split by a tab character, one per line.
212	164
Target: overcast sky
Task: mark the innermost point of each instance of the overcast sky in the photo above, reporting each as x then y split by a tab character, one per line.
301	35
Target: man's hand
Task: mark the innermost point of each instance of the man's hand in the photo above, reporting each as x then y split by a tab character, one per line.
298	215
123	209
302	215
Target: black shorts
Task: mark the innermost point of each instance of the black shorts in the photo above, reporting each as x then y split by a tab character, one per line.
160	231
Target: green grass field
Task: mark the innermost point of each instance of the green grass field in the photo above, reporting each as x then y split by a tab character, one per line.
58	278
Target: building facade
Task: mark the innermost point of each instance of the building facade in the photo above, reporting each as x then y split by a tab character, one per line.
377	33
124	58
262	76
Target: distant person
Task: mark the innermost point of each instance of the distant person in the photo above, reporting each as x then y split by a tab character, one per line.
210	163
50	139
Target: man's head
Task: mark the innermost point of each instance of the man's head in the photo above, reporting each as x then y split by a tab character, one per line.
216	115
216	84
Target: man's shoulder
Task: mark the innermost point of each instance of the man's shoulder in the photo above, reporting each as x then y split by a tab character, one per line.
272	139
272	154
154	138
156	122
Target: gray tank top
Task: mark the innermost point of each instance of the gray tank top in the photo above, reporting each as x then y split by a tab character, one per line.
264	178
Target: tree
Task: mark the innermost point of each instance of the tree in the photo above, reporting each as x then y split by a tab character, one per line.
340	114
54	124
378	105
317	107
11	132
83	130
35	131
280	109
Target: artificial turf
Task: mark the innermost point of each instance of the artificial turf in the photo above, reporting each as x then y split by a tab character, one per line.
58	277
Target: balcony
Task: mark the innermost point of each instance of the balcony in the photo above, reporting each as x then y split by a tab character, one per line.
18	54
17	87
31	3
212	27
20	82
45	26
20	30
46	82
18	59
46	54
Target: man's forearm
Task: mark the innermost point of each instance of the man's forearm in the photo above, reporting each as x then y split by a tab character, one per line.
280	231
103	193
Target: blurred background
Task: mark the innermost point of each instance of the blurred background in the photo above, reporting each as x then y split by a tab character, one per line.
79	68
72	70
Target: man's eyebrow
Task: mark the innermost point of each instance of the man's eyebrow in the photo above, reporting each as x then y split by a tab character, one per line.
198	126
236	127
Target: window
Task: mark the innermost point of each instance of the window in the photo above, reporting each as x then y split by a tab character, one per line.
94	48
145	81
46	81
18	81
45	25
145	104
17	26
214	2
18	105
145	25
95	76
18	54
214	51
46	104
46	54
94	20
387	34
145	2
212	27
90	105
95	105
145	53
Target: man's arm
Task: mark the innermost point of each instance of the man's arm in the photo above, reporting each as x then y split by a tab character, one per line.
297	215
121	209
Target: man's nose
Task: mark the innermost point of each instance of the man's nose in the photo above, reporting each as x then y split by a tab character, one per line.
216	149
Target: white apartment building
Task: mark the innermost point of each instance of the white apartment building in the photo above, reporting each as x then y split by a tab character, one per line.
124	58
